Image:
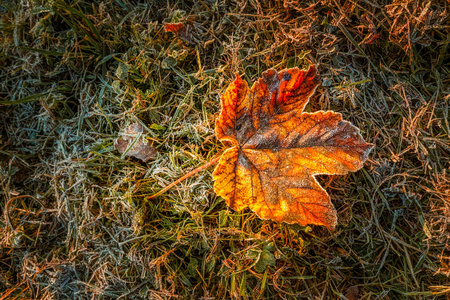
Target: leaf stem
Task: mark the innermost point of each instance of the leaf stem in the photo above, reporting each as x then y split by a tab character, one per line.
193	172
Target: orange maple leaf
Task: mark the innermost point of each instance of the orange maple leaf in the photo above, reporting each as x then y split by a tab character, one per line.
276	149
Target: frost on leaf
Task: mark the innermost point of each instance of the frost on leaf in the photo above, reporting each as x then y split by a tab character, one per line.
133	143
276	149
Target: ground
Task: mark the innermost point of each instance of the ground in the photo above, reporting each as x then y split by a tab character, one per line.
77	222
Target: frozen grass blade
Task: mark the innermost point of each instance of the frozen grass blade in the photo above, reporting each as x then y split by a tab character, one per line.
64	96
190	174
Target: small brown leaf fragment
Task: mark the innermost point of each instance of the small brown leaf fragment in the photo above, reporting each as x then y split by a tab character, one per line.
181	30
276	149
352	293
134	137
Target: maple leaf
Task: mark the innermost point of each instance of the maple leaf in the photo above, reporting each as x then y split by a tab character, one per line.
276	149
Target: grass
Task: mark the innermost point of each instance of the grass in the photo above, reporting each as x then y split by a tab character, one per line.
76	223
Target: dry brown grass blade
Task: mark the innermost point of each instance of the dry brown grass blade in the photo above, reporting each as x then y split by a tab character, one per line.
74	73
8	205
